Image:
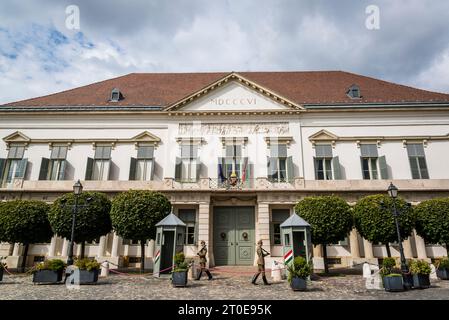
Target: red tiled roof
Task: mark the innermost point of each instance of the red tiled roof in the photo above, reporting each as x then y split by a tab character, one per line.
163	89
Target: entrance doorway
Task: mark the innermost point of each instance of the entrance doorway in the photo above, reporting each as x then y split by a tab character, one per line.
234	235
167	251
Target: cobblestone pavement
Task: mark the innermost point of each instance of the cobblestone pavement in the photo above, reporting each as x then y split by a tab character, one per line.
227	284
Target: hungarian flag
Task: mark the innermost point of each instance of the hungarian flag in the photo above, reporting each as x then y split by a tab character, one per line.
288	257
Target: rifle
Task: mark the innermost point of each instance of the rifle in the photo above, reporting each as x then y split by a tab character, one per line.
265	251
198	253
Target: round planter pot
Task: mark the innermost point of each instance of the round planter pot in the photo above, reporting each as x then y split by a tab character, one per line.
298	284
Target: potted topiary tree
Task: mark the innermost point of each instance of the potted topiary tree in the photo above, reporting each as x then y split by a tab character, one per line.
420	270
2	267
298	272
135	213
179	274
443	269
330	219
49	271
89	269
391	277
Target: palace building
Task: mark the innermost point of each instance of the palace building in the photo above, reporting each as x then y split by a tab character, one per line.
232	151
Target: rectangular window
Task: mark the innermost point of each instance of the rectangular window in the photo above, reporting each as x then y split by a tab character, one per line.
145	152
370	169
103	152
188	217
100	170
16	152
277	217
323	168
144	169
280	166
233	151
417	160
189	151
14	166
323	162
101	163
58	152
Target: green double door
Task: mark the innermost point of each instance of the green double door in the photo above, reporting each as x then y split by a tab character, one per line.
234	235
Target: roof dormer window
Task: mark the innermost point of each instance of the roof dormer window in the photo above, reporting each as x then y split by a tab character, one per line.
116	95
354	92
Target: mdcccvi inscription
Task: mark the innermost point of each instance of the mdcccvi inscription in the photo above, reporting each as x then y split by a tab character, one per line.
267	128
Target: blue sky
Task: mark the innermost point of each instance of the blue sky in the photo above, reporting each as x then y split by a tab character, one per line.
39	55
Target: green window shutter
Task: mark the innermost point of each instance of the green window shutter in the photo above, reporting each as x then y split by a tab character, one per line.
383	168
61	174
178	169
198	169
290	173
2	167
109	170
221	169
132	169
89	168
423	168
361	167
272	168
21	169
152	169
336	168
44	169
315	165
414	167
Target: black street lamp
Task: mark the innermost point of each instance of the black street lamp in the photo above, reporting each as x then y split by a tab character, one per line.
77	190
393	193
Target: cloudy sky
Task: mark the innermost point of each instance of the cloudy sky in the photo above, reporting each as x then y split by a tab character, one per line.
39	54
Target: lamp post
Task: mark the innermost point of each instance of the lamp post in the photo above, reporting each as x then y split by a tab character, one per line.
77	190
393	193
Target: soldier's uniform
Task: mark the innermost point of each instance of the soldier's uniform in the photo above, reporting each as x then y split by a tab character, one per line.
261	254
202	254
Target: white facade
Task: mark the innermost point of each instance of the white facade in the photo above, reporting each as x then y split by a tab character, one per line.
256	123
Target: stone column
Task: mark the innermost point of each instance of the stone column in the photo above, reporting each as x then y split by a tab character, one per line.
65	248
354	244
204	228
263	224
52	249
407	245
16	250
420	246
116	241
101	246
368	248
318	251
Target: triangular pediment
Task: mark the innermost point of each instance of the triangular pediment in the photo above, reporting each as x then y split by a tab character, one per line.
146	137
323	135
18	137
234	93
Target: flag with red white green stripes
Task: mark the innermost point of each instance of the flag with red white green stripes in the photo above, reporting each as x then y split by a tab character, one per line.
158	255
288	257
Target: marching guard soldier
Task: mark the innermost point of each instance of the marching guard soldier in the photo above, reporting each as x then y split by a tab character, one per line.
202	253
261	253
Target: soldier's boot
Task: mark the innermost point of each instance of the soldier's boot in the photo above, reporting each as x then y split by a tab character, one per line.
208	274
265	282
253	281
199	275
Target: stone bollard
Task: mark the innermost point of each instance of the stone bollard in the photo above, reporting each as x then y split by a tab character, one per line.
276	271
104	269
374	282
366	270
433	273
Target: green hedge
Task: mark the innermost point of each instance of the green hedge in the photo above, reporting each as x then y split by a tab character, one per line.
432	220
